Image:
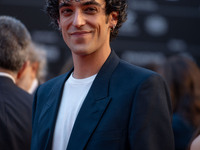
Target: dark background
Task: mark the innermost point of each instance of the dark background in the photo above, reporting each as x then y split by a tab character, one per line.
154	31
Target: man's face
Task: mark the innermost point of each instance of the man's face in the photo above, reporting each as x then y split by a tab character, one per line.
27	75
84	25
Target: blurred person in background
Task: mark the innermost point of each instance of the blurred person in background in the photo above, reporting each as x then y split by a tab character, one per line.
103	103
15	103
183	77
35	70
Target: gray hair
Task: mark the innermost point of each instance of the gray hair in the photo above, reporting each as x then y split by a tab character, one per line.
14	42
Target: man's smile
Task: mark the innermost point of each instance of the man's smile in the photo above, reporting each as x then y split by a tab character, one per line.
79	33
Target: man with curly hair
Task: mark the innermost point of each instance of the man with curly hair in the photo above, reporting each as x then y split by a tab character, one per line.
103	103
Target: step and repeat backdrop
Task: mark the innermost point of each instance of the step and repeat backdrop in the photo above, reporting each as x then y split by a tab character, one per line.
154	31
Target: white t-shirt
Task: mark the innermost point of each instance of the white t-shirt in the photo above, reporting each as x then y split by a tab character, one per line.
74	93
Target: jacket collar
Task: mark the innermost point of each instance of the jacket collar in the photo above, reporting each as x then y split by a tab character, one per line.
3	74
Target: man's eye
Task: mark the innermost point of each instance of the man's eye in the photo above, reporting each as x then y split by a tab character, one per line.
67	11
91	10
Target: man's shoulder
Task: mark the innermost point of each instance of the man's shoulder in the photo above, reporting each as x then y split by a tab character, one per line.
53	83
15	96
132	71
55	79
17	92
126	74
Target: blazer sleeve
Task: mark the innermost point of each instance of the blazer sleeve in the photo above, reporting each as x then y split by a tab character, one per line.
150	123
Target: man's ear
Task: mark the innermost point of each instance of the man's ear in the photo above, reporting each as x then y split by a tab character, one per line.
23	68
113	19
58	21
35	68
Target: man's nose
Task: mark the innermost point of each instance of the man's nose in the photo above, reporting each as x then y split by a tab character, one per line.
78	19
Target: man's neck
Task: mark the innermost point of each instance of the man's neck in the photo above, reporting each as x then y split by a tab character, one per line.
88	65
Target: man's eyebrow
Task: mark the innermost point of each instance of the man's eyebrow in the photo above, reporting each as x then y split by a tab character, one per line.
64	5
91	3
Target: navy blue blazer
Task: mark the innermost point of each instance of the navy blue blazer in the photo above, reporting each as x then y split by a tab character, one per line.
127	108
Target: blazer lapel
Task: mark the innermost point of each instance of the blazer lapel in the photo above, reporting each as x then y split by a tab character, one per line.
50	110
94	106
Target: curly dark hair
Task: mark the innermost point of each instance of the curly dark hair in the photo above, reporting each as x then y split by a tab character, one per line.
52	9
